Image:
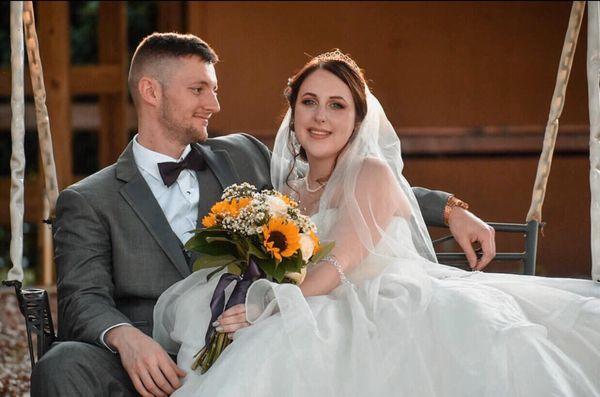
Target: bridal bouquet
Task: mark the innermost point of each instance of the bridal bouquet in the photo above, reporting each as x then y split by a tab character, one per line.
253	235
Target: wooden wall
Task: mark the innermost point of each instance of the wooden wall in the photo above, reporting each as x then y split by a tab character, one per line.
471	79
432	64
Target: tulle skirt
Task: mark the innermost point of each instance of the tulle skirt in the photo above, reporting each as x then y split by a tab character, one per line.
399	333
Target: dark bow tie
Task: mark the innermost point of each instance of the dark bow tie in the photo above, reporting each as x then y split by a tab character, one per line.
169	171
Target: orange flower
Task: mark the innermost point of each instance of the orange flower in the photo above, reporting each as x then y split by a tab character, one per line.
281	239
287	200
237	204
209	221
226	207
220	208
315	240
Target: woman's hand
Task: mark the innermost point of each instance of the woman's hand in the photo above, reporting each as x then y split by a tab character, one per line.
231	320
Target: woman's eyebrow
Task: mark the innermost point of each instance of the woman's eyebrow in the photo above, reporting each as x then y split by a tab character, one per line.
331	97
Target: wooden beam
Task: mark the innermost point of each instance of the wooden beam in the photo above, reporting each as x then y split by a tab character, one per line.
96	79
85	79
170	16
112	47
53	33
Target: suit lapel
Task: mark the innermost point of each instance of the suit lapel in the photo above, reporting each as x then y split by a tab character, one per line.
139	196
218	175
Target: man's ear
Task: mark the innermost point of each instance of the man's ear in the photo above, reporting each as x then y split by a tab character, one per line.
150	90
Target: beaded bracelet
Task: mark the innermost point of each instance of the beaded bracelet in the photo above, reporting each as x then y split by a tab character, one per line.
333	260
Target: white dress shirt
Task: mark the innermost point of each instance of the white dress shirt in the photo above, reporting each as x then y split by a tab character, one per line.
179	202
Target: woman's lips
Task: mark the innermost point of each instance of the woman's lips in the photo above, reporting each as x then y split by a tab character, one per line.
318	134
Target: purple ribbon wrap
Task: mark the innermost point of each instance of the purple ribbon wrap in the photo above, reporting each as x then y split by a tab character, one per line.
238	295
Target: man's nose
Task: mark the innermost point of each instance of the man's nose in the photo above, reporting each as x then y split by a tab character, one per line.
213	103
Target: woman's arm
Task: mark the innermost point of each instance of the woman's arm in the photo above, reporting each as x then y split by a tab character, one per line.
360	225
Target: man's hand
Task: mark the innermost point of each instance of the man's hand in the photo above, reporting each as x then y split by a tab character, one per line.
150	368
232	319
467	229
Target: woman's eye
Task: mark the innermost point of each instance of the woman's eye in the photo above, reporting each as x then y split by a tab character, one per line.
308	102
337	106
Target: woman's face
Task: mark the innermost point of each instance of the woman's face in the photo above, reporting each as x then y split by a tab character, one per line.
324	115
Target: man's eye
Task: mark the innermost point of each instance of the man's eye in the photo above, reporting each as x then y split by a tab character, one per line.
196	90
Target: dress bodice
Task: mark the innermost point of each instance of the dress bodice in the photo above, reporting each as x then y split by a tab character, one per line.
396	243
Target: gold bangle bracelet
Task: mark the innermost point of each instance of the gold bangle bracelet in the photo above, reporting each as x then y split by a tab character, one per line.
450	204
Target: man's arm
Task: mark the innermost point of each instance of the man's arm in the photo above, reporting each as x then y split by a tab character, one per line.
85	298
432	204
85	286
464	225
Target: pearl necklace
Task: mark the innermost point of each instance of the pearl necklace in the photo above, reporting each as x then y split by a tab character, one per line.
308	189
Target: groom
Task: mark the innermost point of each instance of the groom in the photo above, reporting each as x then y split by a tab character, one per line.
119	233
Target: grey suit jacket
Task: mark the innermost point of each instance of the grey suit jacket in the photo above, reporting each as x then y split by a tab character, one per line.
115	251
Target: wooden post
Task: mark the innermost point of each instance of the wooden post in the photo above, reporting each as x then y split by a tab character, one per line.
55	51
195	18
112	46
170	16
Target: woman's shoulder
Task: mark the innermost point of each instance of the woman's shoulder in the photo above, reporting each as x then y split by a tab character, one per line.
375	171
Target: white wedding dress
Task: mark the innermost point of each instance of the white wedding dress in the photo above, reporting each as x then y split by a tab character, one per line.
404	327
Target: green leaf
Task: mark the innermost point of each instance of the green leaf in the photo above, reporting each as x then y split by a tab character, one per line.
298	262
275	270
207	261
267	265
211	274
325	250
255	251
211	240
216	249
199	239
207	229
234	268
290	264
279	274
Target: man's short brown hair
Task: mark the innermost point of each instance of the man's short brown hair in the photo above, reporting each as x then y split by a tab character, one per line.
158	47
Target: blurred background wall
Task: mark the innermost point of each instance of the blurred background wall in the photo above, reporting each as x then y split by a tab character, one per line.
467	86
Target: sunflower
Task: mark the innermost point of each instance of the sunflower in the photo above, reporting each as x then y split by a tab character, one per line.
281	238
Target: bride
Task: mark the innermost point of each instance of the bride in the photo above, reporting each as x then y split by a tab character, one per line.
379	316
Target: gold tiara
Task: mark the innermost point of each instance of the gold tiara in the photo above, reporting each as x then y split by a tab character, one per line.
337	55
